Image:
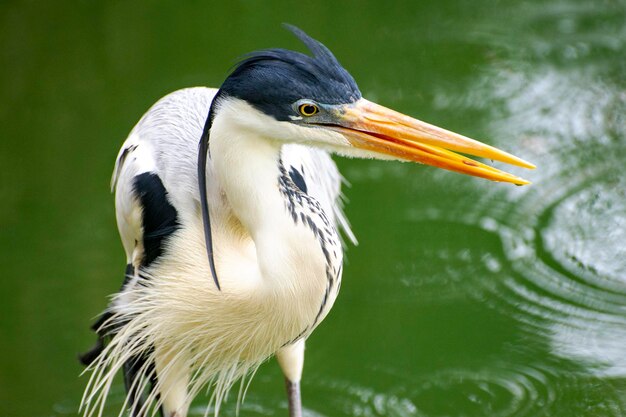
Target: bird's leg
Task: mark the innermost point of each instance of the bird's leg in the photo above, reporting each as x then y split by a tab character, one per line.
291	359
293	395
173	379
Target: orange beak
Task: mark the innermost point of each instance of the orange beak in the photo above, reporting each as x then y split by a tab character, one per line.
375	128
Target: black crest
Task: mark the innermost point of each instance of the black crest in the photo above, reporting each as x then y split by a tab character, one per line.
273	79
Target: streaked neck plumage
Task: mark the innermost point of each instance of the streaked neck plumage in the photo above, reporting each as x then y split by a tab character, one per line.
297	247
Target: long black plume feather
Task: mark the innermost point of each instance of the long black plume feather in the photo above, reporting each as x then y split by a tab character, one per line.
203	151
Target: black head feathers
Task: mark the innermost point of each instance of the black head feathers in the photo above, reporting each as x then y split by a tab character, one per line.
272	80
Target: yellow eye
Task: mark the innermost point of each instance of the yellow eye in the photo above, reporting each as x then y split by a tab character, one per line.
308	109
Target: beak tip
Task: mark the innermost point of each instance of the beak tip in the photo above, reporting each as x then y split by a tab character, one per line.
528	165
521	182
514	160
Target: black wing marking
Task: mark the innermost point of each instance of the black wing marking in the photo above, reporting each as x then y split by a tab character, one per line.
159	217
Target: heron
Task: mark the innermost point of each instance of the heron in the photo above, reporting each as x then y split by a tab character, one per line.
229	210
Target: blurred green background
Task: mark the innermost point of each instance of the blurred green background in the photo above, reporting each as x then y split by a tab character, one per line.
464	297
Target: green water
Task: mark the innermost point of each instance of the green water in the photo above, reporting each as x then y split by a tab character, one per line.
464	297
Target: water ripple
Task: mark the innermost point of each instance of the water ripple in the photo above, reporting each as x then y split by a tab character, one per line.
564	237
497	390
494	392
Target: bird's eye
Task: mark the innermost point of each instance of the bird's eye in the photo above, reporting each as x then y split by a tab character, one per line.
308	109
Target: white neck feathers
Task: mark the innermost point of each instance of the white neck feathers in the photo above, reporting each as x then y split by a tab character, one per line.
246	164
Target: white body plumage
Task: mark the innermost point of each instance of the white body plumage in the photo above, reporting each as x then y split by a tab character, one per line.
278	255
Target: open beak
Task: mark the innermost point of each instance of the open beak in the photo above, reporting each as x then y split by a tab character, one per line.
376	128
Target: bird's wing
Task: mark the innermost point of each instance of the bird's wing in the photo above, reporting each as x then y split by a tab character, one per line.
314	171
155	185
154	178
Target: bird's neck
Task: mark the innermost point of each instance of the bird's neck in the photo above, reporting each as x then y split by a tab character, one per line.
290	255
246	167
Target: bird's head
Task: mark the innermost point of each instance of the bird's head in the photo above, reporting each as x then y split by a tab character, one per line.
293	97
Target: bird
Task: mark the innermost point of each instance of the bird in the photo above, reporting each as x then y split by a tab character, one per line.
230	212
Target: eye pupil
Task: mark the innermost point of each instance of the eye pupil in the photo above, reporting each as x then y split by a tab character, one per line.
308	109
